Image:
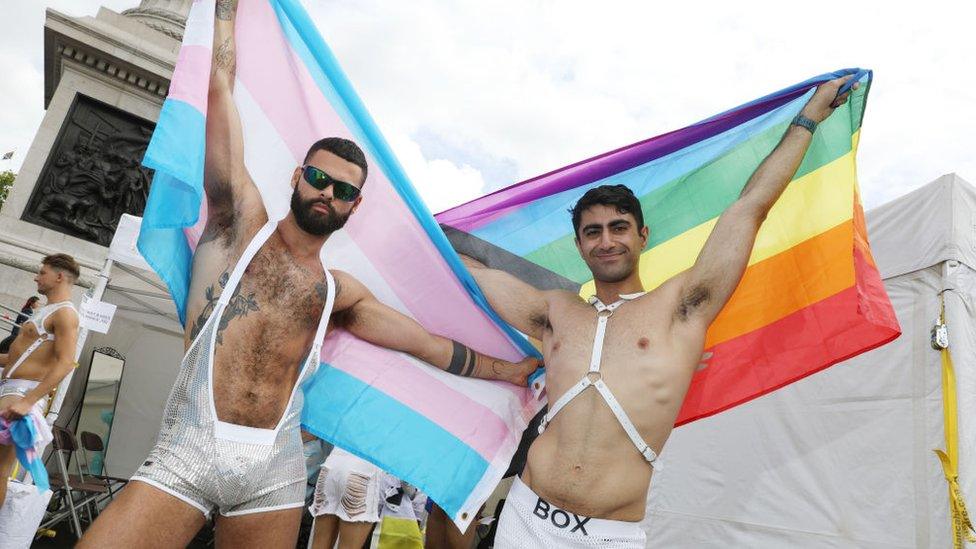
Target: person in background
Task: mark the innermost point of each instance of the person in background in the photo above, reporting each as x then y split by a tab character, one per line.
26	312
348	496
41	354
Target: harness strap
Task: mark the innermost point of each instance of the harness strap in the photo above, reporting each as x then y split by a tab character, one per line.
43	334
252	248
563	401
27	353
324	319
38	319
618	411
604	312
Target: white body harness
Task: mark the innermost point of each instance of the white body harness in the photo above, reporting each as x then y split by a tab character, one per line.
42	333
604	312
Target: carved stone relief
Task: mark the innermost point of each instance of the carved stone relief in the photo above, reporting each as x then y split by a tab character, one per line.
94	173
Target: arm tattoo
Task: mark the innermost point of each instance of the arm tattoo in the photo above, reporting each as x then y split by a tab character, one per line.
322	289
225	58
462	361
225	10
210	294
497	369
238	306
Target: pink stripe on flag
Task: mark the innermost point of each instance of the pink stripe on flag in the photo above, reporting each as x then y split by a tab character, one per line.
193	233
474	424
191	79
271	72
419	275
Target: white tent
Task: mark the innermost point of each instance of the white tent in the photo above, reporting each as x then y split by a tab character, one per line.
844	458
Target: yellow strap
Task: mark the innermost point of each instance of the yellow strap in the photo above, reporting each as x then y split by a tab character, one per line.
962	527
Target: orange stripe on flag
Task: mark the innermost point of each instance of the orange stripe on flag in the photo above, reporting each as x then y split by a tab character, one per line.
804	342
861	232
813	270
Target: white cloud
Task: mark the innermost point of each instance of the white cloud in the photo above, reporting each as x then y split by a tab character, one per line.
22	67
19	116
545	84
527	87
441	182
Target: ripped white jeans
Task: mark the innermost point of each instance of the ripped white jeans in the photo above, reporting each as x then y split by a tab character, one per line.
349	488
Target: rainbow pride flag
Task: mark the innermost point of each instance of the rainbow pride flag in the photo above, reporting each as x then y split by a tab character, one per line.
452	437
811	296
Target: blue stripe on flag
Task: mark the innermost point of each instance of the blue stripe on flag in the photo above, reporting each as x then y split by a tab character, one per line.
408	445
547	219
176	153
860	75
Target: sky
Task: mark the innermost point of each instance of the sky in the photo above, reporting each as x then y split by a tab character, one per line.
475	96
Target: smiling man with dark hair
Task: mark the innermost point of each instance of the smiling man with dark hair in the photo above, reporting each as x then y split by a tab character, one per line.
616	385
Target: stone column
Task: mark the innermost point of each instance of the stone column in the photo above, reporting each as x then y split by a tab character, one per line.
166	16
105	79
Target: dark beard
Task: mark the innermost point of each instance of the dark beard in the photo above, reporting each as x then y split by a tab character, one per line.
312	222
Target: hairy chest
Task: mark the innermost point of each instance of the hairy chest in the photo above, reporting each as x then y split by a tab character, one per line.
275	290
276	303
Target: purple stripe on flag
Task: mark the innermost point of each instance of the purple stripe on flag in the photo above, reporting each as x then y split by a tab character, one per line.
476	213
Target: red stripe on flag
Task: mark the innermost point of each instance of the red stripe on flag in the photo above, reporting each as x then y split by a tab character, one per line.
832	330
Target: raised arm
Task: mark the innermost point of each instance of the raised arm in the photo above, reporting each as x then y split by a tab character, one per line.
709	284
358	311
232	197
65	329
521	305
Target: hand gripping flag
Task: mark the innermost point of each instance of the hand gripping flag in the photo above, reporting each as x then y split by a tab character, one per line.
452	437
811	295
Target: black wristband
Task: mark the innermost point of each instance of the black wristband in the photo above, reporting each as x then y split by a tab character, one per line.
805	123
458	360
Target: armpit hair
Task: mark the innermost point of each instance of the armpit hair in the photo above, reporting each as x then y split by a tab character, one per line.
542	321
691	300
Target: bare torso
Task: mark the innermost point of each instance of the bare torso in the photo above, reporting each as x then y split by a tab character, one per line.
265	332
584	462
36	365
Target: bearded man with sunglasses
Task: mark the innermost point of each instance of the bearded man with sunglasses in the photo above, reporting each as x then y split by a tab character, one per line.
259	303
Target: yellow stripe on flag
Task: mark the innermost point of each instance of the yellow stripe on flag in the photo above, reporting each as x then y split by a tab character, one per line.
811	205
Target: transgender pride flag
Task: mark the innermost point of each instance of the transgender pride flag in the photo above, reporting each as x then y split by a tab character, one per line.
452	437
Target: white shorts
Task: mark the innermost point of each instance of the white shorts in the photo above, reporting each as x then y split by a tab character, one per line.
348	487
530	521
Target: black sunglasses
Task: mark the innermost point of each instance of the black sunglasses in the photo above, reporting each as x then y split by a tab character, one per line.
347	192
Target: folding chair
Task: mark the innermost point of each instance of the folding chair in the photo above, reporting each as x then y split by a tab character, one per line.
91	442
68	487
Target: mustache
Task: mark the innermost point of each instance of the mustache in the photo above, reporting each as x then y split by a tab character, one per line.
324	202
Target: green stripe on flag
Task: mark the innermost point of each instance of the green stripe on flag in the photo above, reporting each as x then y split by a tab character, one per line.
704	193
